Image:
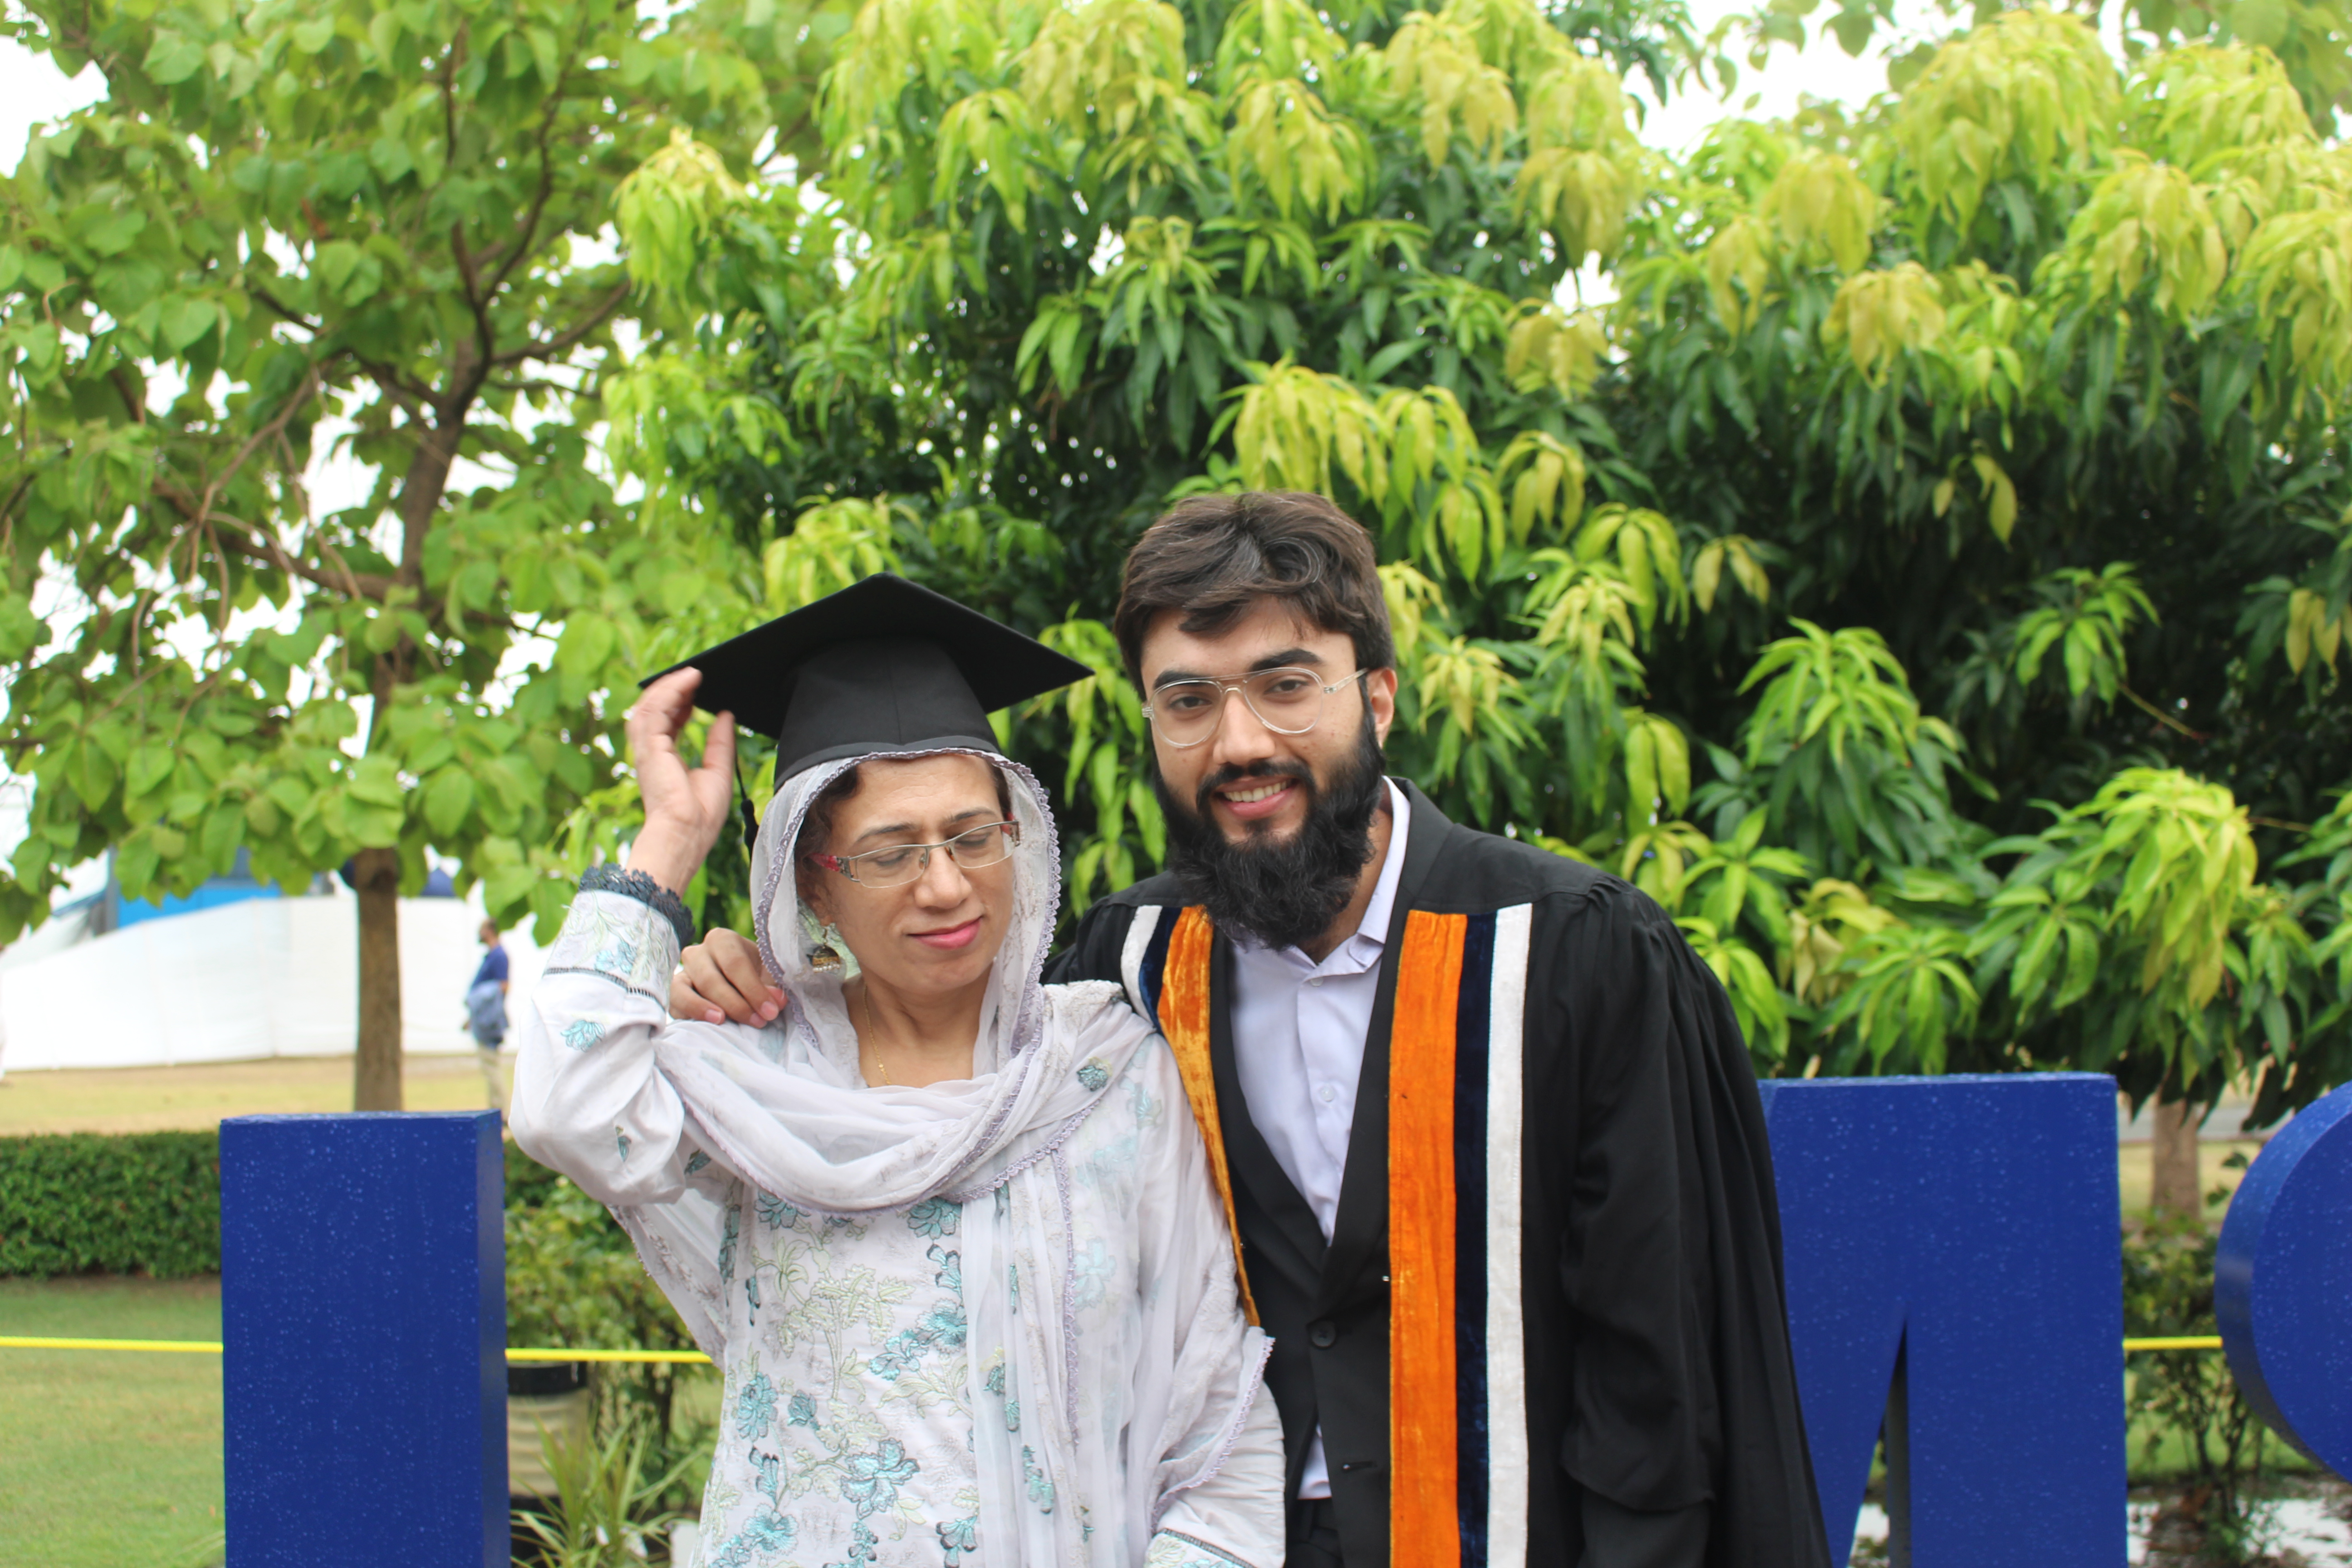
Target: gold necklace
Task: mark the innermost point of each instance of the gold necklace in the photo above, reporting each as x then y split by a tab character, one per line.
866	1000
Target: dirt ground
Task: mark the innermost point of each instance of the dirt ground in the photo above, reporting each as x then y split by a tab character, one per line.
160	1100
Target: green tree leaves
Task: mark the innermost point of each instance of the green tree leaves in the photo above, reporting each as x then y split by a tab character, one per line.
381	222
1922	415
2029	91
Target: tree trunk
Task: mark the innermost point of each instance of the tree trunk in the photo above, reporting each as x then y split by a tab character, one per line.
2175	1180
375	1074
375	1080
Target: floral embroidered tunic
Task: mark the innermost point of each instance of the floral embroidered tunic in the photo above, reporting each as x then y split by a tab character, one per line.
852	1388
857	1389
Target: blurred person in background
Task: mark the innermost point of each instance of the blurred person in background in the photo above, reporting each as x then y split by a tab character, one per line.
486	1014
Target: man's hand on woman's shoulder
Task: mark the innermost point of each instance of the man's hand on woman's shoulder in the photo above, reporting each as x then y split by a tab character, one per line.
720	978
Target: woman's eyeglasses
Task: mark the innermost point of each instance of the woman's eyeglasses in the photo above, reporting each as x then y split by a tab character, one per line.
1286	701
901	864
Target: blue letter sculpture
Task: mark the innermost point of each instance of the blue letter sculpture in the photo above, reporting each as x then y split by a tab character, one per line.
2283	1282
1955	1273
363	1322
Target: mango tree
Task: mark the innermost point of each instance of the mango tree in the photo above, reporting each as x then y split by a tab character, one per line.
2035	372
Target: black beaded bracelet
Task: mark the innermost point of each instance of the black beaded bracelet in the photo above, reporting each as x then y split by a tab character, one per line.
608	877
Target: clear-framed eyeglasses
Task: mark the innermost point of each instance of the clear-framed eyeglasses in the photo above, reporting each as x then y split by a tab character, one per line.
1288	702
897	865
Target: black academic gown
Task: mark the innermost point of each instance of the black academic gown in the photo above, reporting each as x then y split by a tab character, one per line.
1653	1374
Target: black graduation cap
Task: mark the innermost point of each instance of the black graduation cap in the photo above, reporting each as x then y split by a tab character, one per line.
883	666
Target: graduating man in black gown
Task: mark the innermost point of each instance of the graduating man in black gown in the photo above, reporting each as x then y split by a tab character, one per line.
1486	1127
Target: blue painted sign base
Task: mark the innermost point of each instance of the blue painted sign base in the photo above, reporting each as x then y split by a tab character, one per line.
2283	1282
363	1325
1955	1277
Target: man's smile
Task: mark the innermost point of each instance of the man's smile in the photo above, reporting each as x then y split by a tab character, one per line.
1253	801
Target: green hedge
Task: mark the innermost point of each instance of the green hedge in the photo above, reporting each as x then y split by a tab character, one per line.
142	1202
138	1203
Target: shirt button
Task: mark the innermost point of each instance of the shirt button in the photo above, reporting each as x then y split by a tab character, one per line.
1328	1094
1317	981
1322	1335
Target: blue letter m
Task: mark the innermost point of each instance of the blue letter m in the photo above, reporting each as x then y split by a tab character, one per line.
1955	1277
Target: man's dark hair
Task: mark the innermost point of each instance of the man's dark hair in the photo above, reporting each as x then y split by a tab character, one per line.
1214	556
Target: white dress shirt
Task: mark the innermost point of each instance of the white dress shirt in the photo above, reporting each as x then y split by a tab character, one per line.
1298	1051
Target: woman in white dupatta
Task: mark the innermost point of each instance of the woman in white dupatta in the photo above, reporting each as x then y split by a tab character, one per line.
974	1298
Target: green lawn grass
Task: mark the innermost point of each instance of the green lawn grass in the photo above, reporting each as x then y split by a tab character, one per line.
107	1458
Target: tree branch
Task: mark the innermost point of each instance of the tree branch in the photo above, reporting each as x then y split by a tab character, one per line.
135	406
255	544
570	337
2159	715
422	486
286	311
475	300
465	266
413	396
268	551
276	427
529	226
335	558
8	511
533	383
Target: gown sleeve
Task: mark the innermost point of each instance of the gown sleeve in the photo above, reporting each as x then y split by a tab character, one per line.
1218	1486
588	1100
1094	950
1683	1407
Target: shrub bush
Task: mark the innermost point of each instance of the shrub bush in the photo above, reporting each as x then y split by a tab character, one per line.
2198	1439
148	1203
140	1203
573	1279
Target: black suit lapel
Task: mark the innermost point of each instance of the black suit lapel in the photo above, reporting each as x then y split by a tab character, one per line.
1292	1240
1360	1235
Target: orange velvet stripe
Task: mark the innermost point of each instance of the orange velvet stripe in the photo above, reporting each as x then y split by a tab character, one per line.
1184	1019
1424	1528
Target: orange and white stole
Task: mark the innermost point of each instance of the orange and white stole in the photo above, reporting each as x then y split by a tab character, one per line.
1457	1364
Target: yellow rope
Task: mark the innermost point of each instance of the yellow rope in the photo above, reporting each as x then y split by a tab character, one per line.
184	1347
212	1347
2177	1342
696	1358
682	1358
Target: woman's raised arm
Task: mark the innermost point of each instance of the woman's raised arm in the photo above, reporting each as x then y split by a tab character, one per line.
588	1100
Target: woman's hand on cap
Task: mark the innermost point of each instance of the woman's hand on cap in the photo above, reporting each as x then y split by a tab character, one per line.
685	807
722	977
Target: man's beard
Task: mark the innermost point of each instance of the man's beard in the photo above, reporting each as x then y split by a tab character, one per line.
1281	892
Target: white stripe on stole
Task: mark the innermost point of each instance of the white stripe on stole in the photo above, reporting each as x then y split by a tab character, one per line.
1130	960
1506	1359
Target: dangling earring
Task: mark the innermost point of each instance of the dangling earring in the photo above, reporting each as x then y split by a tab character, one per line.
840	951
819	941
822	942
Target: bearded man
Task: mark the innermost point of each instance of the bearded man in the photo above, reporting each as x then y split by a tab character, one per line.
1484	1126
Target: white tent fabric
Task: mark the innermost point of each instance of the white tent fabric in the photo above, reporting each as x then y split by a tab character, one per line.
267	977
